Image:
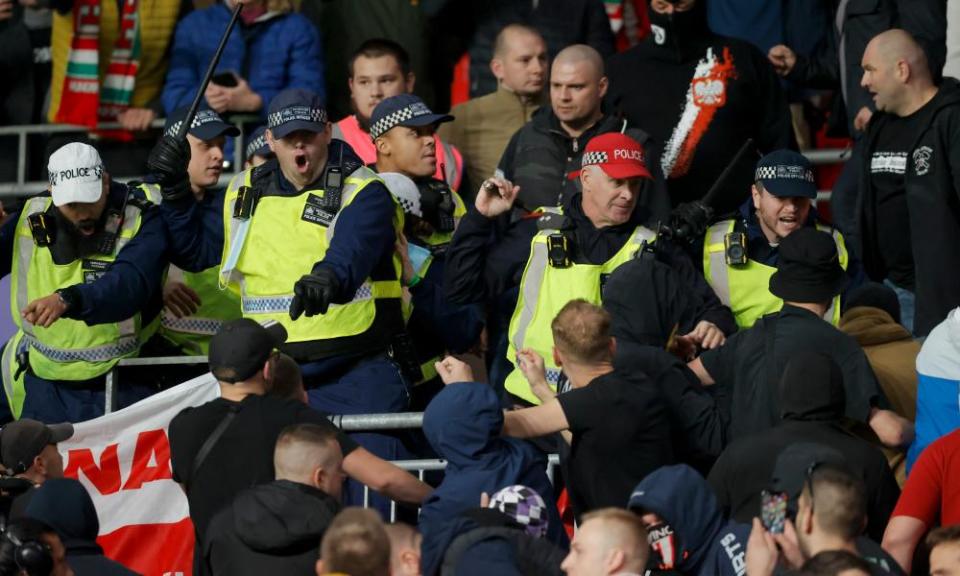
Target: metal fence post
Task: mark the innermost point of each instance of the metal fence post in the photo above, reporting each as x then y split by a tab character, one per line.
110	391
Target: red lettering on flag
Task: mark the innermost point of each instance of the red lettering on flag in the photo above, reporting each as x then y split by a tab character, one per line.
151	445
105	477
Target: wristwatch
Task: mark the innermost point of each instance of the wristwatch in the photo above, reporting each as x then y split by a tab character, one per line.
68	297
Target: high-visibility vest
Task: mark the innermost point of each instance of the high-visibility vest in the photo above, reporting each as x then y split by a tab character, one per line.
545	289
265	254
69	350
449	159
192	333
746	289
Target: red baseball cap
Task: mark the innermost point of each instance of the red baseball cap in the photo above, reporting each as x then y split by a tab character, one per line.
619	155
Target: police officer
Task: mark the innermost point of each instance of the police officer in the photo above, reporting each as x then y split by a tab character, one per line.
257	151
574	249
91	251
307	240
403	129
194	305
740	254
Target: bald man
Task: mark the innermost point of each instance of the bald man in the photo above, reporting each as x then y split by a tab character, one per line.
609	541
404	549
275	528
482	126
910	181
541	154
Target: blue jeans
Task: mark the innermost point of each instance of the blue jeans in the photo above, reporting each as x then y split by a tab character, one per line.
374	386
907	304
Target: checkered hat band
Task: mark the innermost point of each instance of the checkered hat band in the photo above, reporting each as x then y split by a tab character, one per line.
784	173
590	158
202	117
292	113
256	144
524	505
398	117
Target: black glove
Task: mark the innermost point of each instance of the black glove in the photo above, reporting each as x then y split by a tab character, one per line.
168	162
313	293
690	220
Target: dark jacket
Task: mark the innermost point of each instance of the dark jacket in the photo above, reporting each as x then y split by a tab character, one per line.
271	55
701	123
541	155
932	183
463	425
482	542
812	408
484	262
65	505
862	20
473	27
275	528
703	542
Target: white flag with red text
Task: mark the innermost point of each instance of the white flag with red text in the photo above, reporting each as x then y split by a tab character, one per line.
123	459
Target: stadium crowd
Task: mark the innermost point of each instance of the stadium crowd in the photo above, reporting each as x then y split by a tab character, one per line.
588	228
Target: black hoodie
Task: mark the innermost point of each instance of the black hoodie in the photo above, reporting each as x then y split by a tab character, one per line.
812	402
932	183
700	122
270	529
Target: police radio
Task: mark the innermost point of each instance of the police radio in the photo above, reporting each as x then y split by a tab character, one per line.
333	184
43	228
735	248
557	250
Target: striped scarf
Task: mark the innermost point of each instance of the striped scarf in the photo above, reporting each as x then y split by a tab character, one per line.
85	100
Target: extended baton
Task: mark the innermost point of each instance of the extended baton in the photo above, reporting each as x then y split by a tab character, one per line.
192	112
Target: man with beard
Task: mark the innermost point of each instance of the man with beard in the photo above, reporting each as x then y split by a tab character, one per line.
380	69
740	254
90	250
712	94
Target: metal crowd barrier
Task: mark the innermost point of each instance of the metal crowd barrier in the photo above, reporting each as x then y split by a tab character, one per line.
23	188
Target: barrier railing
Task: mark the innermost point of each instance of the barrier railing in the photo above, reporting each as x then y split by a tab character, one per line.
23	188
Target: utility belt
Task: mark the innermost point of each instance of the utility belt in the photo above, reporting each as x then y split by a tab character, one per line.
22	360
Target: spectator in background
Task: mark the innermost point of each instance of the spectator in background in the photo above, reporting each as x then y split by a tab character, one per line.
65	505
872	316
404	549
687	530
938	380
713	94
121	80
811	405
286	379
615	422
380	69
28	452
808	278
482	126
550	146
273	49
356	544
463	424
910	156
609	541
944	546
47	554
274	528
929	499
831	512
472	27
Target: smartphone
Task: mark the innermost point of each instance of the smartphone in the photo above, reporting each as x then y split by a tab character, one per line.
225	79
773	511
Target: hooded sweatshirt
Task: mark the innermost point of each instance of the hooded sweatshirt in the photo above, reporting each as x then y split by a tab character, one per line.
273	528
694	538
65	505
463	424
712	94
812	401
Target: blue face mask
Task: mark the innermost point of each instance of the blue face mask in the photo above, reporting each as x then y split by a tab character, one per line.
418	256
